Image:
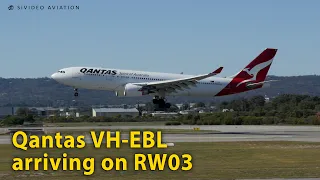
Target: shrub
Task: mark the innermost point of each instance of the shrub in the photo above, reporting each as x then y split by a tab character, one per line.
175	123
12	120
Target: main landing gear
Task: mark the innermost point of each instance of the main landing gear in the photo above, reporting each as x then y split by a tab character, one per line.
76	94
160	103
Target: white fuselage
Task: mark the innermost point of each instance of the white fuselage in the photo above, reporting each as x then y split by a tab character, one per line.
116	79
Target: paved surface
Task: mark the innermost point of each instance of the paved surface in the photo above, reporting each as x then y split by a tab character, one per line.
252	133
224	134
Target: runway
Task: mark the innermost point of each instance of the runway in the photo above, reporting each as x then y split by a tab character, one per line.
250	133
221	133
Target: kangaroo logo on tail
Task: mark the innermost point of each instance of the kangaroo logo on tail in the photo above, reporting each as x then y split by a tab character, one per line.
254	71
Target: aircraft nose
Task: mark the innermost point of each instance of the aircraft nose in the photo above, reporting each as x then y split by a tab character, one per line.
57	77
54	76
64	78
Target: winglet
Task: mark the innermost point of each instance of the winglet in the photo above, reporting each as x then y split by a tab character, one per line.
217	71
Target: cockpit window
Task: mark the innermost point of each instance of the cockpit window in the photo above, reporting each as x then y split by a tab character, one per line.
61	71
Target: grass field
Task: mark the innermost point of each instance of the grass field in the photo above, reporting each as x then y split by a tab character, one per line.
210	160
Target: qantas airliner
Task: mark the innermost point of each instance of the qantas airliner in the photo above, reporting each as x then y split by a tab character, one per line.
130	83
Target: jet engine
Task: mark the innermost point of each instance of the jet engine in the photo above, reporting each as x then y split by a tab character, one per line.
131	90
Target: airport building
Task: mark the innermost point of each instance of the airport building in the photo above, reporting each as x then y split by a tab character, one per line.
112	112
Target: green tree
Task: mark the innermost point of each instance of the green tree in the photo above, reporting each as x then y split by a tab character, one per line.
223	105
23	111
257	101
185	106
173	108
200	104
12	120
30	118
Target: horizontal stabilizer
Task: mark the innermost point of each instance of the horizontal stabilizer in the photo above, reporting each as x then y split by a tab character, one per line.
267	83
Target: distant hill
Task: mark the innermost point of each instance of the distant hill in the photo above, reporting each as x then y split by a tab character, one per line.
47	92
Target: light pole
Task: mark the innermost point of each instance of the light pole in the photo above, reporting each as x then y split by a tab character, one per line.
74	107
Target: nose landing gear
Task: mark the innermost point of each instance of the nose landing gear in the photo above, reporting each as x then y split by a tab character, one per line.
76	94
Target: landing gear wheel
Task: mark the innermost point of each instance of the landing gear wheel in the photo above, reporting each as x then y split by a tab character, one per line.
167	105
162	103
155	101
76	94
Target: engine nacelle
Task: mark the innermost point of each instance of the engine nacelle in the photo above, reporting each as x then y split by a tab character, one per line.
131	90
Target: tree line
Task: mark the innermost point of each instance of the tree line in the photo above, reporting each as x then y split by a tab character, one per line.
284	109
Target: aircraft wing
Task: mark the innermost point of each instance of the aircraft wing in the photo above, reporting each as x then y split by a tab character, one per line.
177	84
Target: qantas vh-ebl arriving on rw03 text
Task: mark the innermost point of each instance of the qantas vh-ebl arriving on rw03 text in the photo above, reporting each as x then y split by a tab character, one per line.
132	83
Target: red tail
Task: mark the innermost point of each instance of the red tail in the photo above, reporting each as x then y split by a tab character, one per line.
256	71
259	67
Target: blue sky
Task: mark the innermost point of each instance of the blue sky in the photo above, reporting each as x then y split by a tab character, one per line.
189	36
